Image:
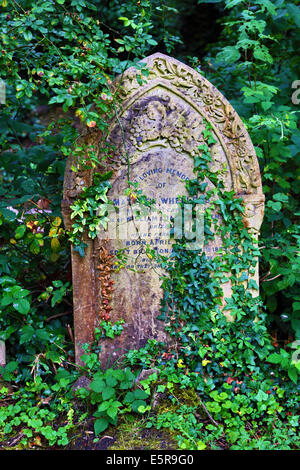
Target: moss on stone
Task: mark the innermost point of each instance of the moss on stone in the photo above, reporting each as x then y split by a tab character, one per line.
132	435
182	396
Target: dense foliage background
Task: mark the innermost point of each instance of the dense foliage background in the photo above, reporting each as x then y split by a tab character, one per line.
57	60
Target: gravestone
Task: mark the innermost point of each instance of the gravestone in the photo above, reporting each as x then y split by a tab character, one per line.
157	129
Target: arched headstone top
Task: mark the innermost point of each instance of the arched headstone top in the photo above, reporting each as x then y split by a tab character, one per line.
183	84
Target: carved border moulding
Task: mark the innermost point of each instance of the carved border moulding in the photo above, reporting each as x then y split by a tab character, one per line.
185	100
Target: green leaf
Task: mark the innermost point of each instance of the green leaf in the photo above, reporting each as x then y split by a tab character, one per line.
43	335
22	306
35	247
8	214
261	396
6	300
112	411
274	358
57	283
296	326
261	52
80	249
97	385
11	366
252	284
281	197
233	3
20	231
8	370
27	334
27	35
101	408
229	54
294	12
140	394
57	297
118	374
129	374
108	393
137	403
129	397
100	425
152	42
54	356
267	5
111	381
276	206
296	306
293	375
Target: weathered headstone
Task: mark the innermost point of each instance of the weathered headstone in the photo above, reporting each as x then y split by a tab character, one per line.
156	131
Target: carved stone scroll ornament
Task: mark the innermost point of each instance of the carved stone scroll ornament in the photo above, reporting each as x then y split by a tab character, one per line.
209	101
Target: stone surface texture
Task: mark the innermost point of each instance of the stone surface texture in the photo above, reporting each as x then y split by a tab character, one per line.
157	128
